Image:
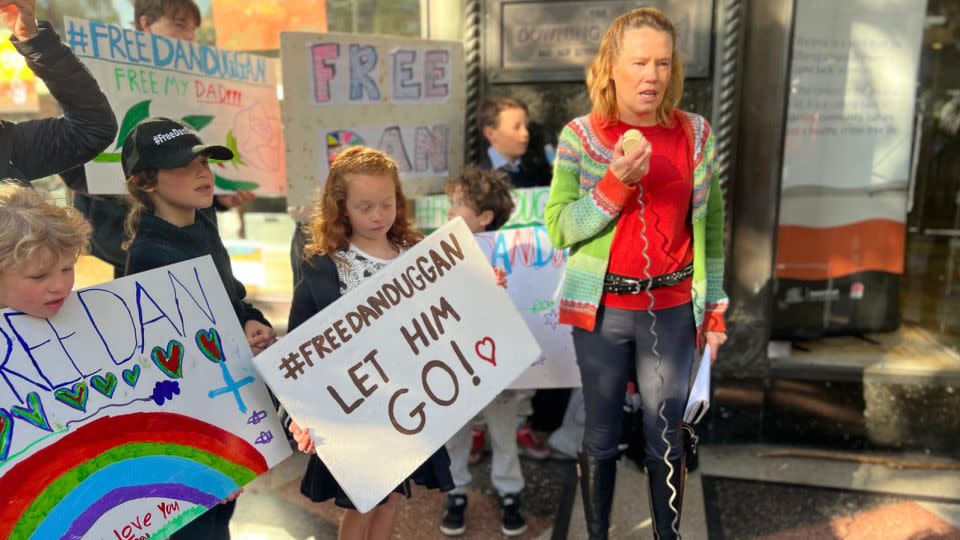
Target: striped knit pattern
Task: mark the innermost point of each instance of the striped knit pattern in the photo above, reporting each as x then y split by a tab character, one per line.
584	206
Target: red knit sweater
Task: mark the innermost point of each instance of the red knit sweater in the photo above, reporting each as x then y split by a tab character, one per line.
666	194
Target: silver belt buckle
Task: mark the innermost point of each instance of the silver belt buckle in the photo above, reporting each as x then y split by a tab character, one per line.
638	285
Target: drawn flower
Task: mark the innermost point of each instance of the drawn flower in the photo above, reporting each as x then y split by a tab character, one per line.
259	137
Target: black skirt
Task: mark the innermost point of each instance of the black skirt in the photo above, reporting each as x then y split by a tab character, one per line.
319	484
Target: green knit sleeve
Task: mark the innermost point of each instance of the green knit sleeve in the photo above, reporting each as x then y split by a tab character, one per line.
573	214
714	232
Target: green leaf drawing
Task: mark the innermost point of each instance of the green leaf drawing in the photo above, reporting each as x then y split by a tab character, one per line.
197	121
106	157
232	145
539	306
136	114
231	141
233	185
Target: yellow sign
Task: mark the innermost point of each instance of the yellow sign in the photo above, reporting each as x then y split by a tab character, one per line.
18	88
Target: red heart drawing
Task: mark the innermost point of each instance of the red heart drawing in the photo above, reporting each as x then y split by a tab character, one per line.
169	360
209	343
482	347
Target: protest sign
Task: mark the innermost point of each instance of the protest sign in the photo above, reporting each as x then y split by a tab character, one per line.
403	96
389	372
528	204
228	97
130	412
534	271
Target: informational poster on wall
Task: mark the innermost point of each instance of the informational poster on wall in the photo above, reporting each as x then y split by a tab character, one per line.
132	411
18	85
389	372
403	96
846	166
853	88
228	97
534	271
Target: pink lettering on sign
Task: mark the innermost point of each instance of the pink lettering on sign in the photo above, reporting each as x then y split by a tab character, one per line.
324	69
436	70
217	94
430	148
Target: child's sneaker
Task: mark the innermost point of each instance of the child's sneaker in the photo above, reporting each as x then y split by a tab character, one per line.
477	445
529	445
453	523
511	520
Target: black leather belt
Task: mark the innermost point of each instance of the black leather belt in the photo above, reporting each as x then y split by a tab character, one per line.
617	284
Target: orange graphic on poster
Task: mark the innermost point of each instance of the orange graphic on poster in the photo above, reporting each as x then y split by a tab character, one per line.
256	26
18	88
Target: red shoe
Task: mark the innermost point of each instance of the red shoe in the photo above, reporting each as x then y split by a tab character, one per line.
477	445
529	445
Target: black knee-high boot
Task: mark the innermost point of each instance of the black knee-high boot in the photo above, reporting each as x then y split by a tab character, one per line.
664	514
597	478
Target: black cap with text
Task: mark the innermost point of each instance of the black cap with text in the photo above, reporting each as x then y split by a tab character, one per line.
162	143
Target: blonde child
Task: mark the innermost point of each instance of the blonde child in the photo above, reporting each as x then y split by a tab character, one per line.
39	246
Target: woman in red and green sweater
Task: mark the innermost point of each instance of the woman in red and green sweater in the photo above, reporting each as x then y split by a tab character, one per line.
644	282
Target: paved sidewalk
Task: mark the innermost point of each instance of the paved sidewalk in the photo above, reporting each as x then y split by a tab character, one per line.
735	495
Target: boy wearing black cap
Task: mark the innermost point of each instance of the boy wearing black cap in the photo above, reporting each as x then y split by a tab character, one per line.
174	19
170	181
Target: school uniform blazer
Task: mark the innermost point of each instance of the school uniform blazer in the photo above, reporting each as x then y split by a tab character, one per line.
531	174
318	288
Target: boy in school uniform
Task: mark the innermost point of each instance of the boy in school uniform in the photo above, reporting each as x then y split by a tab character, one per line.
503	121
482	199
504	124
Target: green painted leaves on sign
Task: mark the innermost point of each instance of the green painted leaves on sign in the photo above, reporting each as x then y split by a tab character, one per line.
135	115
197	121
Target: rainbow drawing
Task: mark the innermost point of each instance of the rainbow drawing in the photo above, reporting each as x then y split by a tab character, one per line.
340	140
62	490
343	137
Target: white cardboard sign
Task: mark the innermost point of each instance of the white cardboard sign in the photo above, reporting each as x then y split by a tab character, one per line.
133	410
404	96
534	271
389	372
228	97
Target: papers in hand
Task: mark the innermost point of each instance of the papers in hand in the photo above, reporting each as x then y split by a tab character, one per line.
699	401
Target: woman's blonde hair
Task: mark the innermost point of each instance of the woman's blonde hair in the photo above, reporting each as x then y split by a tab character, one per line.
603	92
32	227
139	200
329	229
